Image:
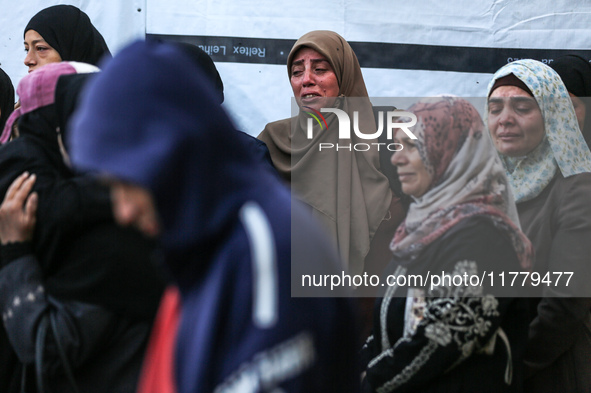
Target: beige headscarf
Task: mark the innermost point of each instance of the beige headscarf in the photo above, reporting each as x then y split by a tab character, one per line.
345	189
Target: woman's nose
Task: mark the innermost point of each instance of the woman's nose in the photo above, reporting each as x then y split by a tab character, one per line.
398	158
506	117
308	78
29	59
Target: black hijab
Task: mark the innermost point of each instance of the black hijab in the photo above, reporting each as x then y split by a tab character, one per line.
575	72
206	64
6	98
70	32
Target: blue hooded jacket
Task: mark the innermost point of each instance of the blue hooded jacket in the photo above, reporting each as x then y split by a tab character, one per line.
229	230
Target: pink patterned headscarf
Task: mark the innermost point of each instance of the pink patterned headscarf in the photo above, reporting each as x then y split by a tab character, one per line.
468	179
37	89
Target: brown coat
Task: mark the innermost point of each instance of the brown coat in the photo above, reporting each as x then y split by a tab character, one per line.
558	222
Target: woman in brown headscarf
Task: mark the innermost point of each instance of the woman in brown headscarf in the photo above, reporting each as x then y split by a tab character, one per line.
343	186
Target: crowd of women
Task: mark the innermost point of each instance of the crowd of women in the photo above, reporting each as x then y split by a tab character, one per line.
147	245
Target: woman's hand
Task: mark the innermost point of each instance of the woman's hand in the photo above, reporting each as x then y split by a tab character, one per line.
17	212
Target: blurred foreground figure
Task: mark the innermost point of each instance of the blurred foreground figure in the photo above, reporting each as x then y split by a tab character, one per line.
223	222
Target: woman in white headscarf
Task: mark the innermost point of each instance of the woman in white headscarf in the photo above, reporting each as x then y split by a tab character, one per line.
534	128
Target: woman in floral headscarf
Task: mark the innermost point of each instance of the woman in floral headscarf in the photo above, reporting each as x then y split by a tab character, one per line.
534	127
439	336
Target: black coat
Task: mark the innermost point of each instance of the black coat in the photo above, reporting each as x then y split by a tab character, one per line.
92	279
446	341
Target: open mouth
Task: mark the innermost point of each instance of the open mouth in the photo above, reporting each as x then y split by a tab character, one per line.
310	96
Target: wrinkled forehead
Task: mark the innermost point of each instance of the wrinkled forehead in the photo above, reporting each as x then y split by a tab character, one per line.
510	91
306	51
298	51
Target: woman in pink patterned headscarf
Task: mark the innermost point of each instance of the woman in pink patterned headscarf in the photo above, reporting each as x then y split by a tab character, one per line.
444	335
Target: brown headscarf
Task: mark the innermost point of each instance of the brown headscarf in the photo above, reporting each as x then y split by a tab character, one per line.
345	189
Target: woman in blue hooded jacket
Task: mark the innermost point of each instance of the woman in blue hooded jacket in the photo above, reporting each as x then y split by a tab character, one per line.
226	227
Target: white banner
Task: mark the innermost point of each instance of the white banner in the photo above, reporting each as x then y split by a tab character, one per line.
406	49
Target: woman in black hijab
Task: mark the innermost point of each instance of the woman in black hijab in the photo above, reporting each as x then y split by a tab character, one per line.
6	98
575	72
62	33
86	283
206	64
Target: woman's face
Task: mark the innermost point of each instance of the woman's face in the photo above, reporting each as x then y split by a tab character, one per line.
515	121
39	52
580	109
134	206
313	80
414	176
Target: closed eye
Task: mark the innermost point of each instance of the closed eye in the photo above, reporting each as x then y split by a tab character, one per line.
524	108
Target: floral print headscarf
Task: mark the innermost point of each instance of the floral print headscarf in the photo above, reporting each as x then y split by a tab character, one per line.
468	179
563	146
